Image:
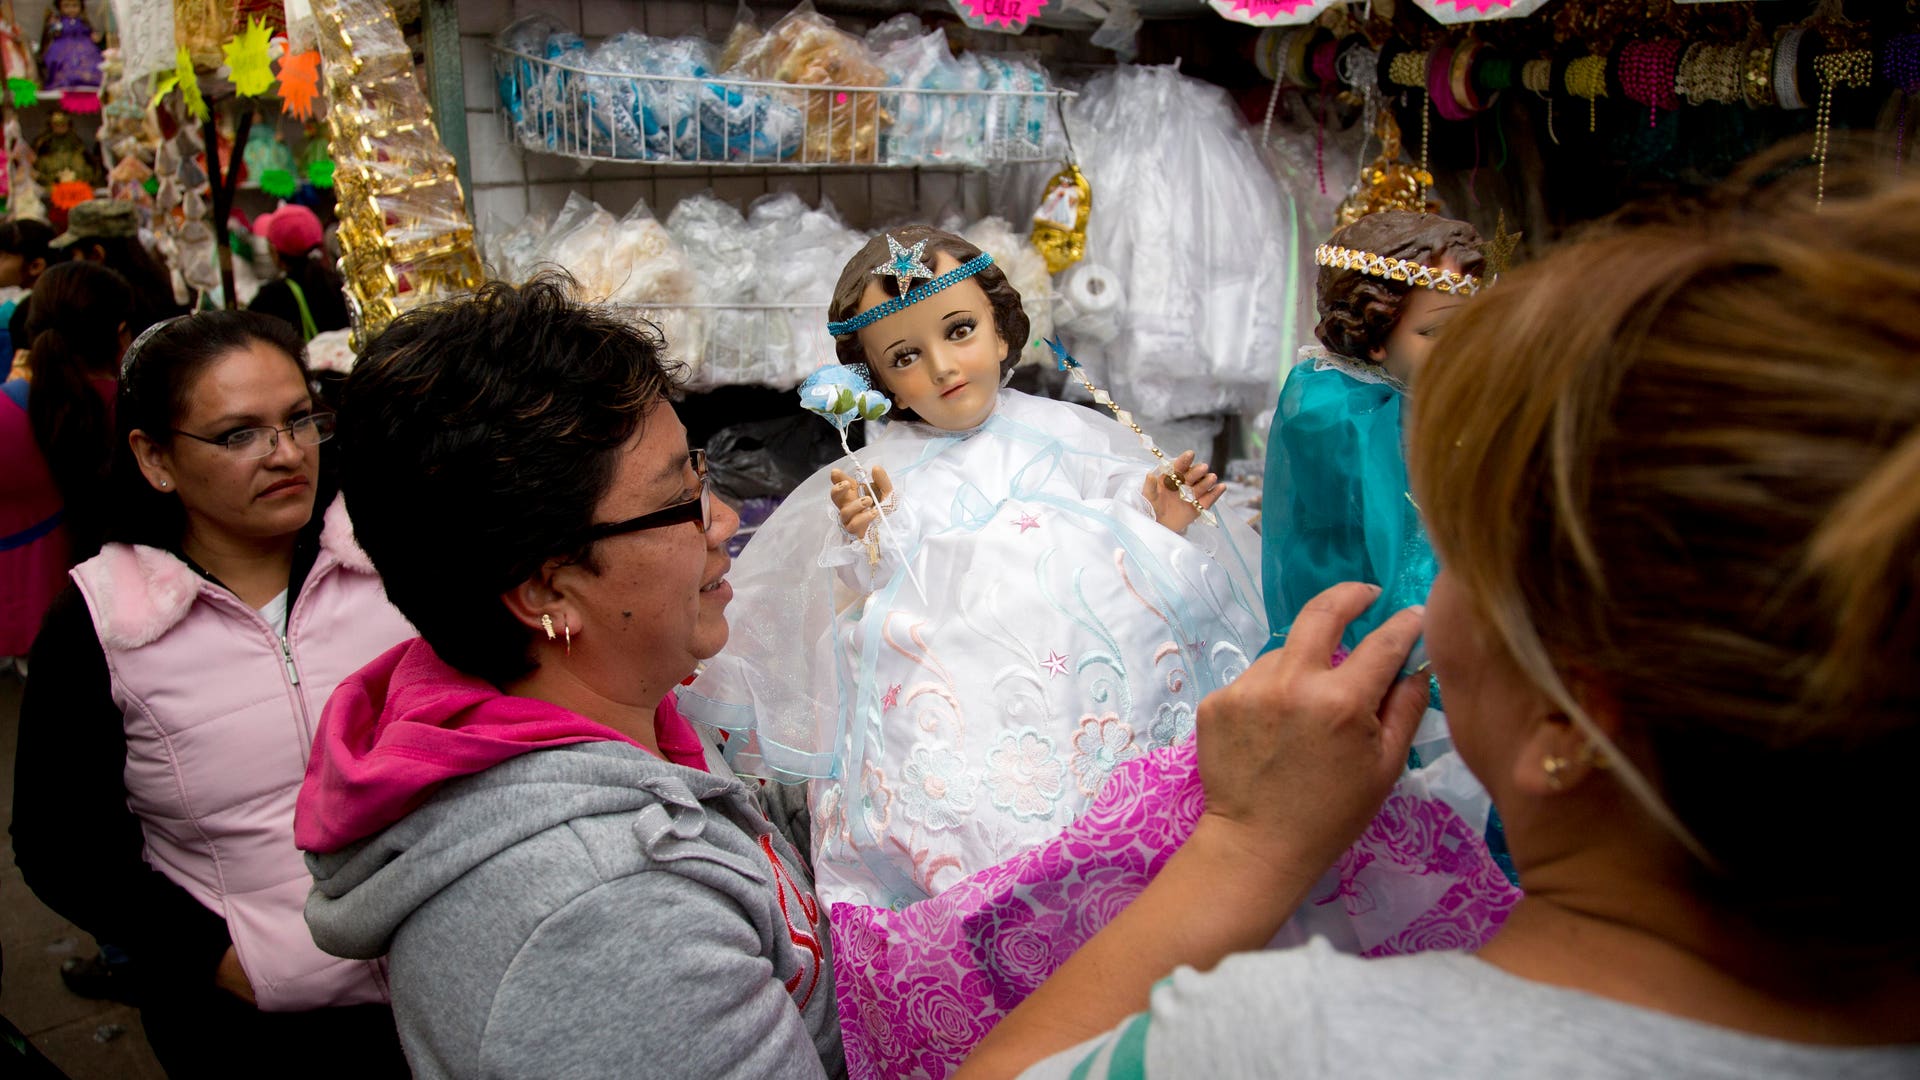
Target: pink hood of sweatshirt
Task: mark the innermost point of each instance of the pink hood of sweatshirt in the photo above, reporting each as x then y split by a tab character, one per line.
408	722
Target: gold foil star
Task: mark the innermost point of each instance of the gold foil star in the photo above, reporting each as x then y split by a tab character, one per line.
1499	248
247	59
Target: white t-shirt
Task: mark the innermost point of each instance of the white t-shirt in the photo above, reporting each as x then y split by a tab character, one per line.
1314	1012
275	612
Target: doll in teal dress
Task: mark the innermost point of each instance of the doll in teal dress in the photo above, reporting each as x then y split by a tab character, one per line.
1337	505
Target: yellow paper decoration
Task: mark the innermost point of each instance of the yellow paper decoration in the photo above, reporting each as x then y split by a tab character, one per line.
247	59
190	85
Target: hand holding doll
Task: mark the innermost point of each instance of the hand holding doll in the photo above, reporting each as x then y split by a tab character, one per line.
1169	508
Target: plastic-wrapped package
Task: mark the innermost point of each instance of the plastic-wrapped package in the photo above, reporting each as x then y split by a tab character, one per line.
1019	121
725	263
1026	271
805	48
633	264
511	253
1207	284
918	128
682	119
802	250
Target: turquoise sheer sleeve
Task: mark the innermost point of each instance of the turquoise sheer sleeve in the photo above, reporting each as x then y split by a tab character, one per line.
1336	503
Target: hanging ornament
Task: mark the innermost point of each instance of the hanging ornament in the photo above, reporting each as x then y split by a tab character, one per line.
299	83
247	60
1060	223
25	92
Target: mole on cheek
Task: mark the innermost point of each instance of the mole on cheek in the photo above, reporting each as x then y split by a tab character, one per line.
626	614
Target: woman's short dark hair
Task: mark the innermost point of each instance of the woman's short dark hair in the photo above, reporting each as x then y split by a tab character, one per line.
1358	311
1009	317
26	238
477	438
156	382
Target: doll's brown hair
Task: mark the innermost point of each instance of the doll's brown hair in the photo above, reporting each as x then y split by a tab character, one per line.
1357	311
1009	317
1680	463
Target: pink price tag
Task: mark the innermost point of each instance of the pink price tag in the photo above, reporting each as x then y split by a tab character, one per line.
1012	14
1269	12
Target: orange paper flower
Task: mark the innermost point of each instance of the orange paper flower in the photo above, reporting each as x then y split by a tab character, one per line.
68	194
299	83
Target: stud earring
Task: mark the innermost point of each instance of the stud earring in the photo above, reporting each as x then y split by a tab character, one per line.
546	623
164	484
1554	766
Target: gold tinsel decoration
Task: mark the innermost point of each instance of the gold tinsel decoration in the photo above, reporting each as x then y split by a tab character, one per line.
1387	183
404	234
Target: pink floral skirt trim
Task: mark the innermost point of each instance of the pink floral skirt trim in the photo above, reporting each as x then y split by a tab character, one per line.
919	988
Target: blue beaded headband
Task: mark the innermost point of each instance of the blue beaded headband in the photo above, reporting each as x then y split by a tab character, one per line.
912	296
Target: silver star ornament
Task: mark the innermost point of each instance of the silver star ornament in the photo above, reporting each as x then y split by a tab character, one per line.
905	264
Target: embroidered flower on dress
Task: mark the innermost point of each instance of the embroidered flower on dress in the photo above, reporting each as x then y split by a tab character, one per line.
1171	723
1101	744
936	788
1024	776
876	798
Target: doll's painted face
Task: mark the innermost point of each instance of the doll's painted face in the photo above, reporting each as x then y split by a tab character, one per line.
940	357
71	8
1422	314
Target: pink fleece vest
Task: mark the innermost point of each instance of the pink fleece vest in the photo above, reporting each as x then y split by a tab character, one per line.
220	715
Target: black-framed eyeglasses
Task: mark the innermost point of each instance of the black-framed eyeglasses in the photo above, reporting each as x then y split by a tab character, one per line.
698	509
257	442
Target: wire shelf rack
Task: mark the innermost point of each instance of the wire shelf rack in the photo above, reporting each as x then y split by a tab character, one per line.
554	106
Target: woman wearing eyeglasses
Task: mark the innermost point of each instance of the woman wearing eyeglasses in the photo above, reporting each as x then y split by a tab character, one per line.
565	881
176	690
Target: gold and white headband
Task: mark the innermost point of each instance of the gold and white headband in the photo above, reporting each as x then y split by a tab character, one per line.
1405	271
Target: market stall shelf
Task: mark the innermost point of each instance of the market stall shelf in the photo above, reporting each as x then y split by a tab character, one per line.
571	109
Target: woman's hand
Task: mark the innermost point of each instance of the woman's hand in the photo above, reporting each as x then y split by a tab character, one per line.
232	978
855	505
1297	755
1169	508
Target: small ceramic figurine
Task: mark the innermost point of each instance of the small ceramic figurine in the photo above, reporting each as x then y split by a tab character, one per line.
70	48
61	154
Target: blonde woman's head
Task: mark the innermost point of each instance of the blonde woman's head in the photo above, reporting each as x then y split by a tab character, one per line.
1674	469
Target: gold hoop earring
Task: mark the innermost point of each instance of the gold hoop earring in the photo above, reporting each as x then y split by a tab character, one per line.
1554	766
546	623
567	628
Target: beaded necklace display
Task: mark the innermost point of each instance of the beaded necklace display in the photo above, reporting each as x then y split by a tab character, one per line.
1852	69
1409	69
1537	76
1587	78
1647	70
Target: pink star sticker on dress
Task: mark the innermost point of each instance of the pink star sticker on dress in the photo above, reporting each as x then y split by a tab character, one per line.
1055	663
1025	522
892	697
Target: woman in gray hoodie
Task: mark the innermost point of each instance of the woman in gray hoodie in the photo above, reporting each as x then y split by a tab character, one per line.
566	881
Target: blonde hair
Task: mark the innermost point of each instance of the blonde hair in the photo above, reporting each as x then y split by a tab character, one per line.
1680	462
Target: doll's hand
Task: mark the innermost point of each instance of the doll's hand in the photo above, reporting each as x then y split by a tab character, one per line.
855	505
1169	508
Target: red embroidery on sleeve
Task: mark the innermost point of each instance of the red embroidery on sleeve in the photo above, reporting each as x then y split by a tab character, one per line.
804	938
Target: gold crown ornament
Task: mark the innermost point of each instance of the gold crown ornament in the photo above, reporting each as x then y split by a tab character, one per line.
1405	271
